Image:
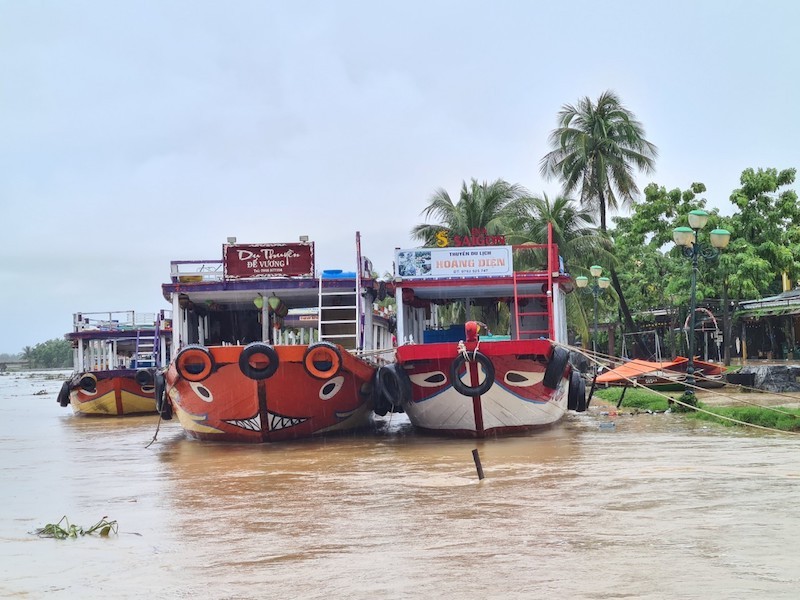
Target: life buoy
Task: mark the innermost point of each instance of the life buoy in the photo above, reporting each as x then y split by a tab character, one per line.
63	394
163	405
392	387
88	383
488	370
258	361
555	367
194	363
144	377
322	360
574	386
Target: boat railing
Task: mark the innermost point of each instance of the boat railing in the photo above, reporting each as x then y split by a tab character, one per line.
113	320
196	271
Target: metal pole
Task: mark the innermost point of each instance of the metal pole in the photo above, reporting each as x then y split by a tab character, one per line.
689	388
596	292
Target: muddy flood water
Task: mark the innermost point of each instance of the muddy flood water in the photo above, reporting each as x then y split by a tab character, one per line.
653	506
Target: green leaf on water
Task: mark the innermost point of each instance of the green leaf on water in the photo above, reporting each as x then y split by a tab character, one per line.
63	529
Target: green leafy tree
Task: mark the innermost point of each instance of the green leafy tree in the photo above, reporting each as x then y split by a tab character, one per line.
595	150
765	231
52	354
659	276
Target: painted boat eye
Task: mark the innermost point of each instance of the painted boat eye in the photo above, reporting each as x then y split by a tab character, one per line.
330	388
202	392
523	378
430	379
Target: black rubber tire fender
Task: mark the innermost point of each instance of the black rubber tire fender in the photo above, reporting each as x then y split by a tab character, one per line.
144	377
392	386
163	405
581	407
555	367
252	350
63	394
88	383
488	369
574	387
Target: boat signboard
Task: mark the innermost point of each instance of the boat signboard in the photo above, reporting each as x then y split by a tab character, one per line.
247	261
476	261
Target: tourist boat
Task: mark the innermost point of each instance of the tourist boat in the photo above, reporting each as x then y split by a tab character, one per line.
461	380
663	375
116	356
268	349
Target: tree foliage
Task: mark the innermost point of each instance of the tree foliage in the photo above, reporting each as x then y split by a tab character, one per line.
765	240
489	206
52	354
595	149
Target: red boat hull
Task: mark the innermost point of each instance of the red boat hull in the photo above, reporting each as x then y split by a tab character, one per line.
228	405
516	402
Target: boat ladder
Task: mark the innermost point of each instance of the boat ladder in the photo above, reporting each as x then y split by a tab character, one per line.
531	324
146	348
338	312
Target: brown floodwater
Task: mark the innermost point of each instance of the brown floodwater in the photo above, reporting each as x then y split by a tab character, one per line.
652	507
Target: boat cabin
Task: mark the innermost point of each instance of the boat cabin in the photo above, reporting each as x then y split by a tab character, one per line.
109	341
272	293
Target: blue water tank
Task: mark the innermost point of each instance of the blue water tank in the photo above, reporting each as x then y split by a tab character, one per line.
338	274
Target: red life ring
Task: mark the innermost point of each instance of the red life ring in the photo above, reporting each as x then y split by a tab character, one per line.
322	360
194	363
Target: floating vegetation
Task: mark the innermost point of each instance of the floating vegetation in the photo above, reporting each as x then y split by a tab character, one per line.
63	529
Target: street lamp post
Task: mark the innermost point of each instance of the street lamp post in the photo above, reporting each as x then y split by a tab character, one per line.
599	284
687	239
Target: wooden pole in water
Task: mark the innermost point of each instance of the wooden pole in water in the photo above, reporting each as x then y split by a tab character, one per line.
478	463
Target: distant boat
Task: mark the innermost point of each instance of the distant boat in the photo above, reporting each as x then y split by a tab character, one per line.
270	350
663	375
461	381
117	356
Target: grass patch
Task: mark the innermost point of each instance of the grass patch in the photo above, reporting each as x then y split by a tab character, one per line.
634	398
752	414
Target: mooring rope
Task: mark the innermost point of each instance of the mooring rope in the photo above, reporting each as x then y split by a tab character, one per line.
155	435
592	359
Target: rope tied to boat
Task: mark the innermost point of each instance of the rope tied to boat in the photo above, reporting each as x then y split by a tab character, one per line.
593	357
462	350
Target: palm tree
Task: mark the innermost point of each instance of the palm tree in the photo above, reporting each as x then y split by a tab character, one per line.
492	207
489	206
595	149
28	355
579	242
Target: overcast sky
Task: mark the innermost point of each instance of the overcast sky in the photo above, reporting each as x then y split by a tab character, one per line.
135	133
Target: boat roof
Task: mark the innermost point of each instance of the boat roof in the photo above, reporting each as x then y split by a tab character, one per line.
115	324
450	273
294	292
480	287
